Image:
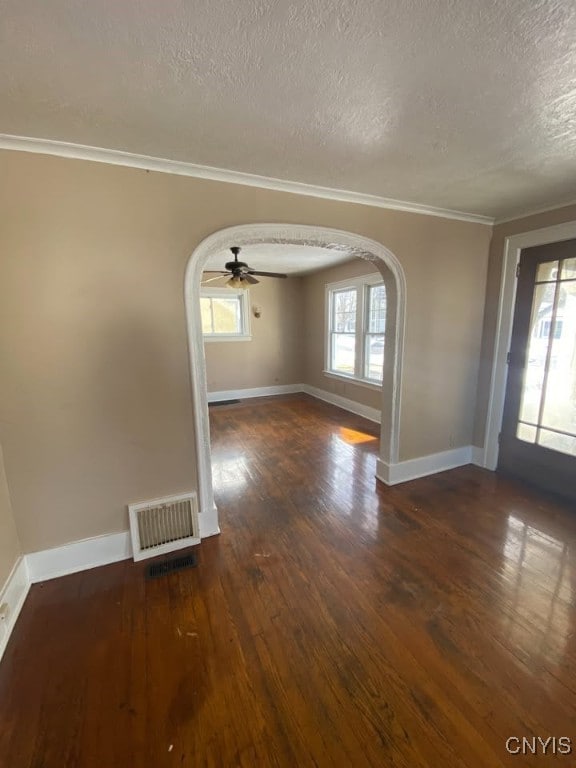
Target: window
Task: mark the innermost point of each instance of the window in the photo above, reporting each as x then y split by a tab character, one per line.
545	326
356	328
225	314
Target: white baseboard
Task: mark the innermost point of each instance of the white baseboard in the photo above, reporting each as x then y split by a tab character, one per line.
372	414
478	456
94	552
392	474
242	394
208	521
78	556
13	594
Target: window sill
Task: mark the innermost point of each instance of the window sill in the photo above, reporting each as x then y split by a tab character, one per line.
227	338
353	380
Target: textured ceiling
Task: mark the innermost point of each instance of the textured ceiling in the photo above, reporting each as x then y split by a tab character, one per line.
277	257
463	104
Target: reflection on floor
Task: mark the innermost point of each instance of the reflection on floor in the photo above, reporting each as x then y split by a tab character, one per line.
335	622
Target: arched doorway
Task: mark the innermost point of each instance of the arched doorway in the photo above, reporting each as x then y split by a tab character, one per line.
293	234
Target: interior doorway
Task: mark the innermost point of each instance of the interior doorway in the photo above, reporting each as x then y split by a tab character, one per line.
538	438
356	246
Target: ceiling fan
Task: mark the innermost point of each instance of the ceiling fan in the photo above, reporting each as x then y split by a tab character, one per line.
241	274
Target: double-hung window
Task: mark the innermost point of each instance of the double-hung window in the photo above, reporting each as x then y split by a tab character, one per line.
225	314
356	321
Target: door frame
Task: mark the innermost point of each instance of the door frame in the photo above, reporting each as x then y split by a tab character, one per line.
513	244
247	234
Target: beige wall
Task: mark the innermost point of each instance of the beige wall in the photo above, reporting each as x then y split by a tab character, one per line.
9	544
314	309
499	235
95	403
273	355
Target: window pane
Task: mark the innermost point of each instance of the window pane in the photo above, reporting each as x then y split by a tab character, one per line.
221	315
206	311
569	269
344	311
560	398
536	354
556	442
374	357
343	353
376	309
526	432
548	270
226	315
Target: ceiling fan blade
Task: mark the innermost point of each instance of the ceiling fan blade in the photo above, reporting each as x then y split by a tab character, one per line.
218	277
250	279
265	274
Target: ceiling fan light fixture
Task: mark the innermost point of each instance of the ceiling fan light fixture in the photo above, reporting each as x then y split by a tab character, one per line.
235	282
242	274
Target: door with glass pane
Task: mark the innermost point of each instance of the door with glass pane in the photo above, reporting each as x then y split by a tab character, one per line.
538	439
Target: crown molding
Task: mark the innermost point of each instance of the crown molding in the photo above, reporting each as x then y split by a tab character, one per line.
179	168
534	212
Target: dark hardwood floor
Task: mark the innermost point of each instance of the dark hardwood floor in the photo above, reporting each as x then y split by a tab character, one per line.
335	622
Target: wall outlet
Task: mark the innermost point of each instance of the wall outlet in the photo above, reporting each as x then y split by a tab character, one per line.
4	611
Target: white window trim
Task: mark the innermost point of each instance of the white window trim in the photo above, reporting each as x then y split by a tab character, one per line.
360	282
226	293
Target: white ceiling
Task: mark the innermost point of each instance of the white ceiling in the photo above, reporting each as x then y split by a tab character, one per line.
291	260
468	105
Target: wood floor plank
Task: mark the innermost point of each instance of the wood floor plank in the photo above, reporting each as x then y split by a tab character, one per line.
335	622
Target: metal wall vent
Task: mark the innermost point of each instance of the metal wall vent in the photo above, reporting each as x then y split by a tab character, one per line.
164	525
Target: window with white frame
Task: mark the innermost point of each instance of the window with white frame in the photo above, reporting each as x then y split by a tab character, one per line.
356	322
225	314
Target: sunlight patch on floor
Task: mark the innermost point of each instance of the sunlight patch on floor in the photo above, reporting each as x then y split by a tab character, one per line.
353	436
